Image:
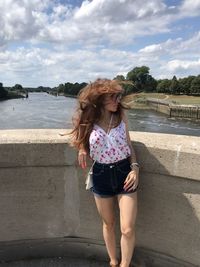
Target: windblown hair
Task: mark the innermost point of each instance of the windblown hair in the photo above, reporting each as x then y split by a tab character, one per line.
90	108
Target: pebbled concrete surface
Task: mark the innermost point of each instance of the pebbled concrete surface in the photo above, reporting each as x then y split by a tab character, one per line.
56	262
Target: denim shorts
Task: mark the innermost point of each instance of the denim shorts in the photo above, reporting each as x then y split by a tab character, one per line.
108	179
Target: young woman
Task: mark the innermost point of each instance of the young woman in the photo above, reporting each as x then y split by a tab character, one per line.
101	132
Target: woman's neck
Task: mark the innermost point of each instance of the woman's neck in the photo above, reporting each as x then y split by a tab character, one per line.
106	116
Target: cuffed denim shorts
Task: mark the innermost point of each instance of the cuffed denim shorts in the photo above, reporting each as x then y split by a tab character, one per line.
108	179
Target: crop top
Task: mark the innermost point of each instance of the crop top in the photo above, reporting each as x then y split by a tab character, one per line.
111	147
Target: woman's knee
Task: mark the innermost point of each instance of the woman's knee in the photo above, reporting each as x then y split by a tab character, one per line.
109	226
128	231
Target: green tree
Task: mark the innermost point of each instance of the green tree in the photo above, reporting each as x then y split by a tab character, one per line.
119	78
18	87
137	73
150	84
129	88
73	89
76	88
163	86
68	88
142	79
3	91
195	85
174	86
185	84
61	88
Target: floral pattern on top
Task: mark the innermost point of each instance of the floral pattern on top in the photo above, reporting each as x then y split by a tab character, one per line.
111	147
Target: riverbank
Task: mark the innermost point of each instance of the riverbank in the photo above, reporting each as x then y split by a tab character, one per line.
172	105
12	95
141	98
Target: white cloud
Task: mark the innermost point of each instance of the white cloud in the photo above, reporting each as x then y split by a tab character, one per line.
116	11
58	42
17	20
190	8
94	22
155	48
189	48
169	47
115	21
176	66
49	67
173	57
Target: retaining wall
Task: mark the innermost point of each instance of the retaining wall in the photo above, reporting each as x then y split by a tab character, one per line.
43	196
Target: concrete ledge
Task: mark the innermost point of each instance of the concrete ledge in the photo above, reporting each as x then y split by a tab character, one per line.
34	148
43	196
169	154
35	136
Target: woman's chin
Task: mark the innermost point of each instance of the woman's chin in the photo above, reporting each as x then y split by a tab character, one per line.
112	109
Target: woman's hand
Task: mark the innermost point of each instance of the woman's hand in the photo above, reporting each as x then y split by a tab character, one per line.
82	157
132	180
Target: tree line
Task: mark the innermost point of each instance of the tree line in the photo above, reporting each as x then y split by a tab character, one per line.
141	80
17	91
137	80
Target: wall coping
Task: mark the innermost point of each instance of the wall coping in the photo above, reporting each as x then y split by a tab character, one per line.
160	153
164	141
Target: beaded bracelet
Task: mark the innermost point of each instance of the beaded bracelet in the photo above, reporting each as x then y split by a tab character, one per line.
133	164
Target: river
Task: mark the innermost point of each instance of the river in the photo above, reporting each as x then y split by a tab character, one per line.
44	111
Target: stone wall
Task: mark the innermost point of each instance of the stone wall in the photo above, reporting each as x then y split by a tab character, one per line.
43	196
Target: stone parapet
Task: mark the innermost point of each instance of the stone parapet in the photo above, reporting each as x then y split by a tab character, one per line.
43	196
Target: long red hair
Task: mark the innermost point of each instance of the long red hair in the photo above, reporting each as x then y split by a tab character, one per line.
89	111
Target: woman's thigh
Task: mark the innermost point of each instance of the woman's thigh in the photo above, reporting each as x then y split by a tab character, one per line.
128	210
106	208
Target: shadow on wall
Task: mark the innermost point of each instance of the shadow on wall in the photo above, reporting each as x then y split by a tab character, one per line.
168	226
168	209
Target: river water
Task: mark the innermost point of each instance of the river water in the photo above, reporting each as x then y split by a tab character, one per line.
44	111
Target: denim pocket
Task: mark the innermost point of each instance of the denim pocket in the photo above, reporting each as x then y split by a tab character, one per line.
97	170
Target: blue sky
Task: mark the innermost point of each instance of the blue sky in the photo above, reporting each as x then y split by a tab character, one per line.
48	42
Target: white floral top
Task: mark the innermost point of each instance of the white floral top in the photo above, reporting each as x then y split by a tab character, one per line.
111	147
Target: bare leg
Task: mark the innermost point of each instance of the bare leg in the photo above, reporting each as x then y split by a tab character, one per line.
128	213
105	208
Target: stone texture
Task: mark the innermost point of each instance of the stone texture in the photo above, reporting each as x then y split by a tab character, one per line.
43	196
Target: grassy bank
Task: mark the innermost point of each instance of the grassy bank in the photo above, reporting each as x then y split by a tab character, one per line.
139	100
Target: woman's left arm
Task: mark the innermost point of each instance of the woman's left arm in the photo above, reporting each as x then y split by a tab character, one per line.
132	179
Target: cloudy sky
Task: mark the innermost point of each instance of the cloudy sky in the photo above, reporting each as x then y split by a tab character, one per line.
48	42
